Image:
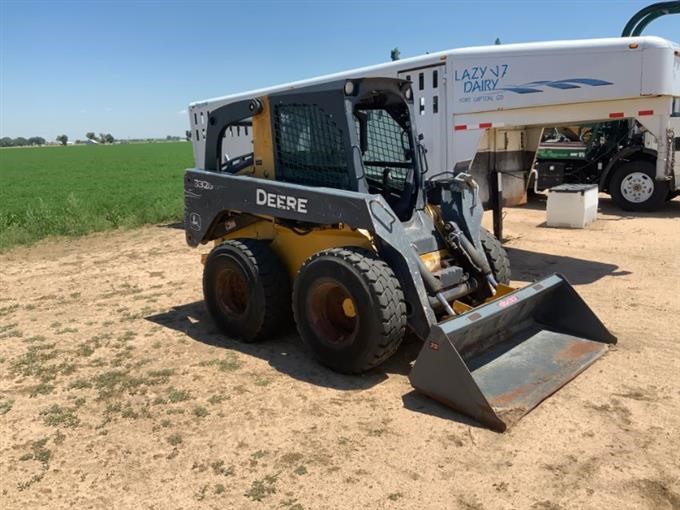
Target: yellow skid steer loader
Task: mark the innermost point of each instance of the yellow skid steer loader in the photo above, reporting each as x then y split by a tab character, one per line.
331	214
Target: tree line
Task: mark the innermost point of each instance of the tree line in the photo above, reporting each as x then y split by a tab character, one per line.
20	141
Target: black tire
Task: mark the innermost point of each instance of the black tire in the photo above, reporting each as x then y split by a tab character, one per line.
497	256
630	187
355	336
247	290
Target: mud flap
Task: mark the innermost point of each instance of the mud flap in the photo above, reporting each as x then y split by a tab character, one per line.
497	362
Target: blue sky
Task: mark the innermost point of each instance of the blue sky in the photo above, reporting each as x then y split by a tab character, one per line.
131	67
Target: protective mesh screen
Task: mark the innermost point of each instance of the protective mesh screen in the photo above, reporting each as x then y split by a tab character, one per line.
310	147
388	144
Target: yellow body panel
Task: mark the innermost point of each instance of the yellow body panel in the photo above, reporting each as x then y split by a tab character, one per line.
294	248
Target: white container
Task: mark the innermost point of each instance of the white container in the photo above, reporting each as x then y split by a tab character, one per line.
572	205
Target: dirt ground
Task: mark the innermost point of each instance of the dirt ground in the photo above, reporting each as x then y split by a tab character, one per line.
116	390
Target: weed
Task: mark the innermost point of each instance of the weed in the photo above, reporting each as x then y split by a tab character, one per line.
41	389
229	364
59	437
217	398
219	469
57	415
6	310
79	384
5	406
201	411
175	439
261	380
219	488
85	350
175	395
260	489
200	495
300	470
394	496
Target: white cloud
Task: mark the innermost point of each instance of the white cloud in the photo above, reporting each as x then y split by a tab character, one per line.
182	112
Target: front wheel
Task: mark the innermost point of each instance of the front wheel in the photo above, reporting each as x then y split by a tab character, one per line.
634	187
349	309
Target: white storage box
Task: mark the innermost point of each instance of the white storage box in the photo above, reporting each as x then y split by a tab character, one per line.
572	205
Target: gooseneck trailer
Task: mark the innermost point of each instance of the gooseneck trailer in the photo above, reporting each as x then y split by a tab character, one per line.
482	110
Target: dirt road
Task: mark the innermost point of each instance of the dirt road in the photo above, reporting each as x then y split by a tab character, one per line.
116	390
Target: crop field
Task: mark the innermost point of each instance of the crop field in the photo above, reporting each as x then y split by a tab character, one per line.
67	191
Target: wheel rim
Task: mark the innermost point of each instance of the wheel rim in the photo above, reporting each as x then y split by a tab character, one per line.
232	291
332	312
637	187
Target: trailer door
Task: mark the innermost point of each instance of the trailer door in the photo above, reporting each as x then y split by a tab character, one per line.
429	96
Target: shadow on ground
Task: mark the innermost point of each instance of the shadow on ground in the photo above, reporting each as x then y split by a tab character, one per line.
285	353
530	265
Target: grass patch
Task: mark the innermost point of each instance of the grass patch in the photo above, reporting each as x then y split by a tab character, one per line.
217	398
175	439
260	489
6	406
175	395
219	469
201	411
57	415
229	363
71	191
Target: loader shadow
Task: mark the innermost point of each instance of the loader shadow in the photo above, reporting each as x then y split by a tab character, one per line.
530	265
285	353
414	401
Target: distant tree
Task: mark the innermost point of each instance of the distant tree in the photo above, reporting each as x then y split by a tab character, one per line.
90	135
108	138
102	138
20	141
395	54
187	134
62	139
497	41
36	140
6	141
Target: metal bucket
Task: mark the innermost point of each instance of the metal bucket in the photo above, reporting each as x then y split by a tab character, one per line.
498	361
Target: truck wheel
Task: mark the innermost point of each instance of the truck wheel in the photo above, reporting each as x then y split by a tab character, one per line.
633	187
349	309
497	256
246	289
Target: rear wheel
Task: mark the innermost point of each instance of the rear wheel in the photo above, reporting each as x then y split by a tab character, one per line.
496	255
246	289
634	188
349	309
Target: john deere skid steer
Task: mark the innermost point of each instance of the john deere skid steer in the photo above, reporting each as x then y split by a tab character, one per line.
331	214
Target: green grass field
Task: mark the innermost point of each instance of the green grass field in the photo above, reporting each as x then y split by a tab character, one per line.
70	191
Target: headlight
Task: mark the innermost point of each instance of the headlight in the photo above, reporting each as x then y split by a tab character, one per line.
349	88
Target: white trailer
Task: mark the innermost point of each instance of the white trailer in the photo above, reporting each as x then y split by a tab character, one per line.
482	109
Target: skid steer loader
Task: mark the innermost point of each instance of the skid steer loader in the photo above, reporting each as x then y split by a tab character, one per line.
333	214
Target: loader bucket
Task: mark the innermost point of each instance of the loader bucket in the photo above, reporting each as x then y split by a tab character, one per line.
498	361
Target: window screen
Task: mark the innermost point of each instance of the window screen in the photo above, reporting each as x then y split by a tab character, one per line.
310	147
